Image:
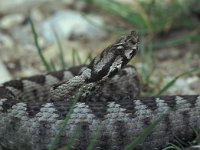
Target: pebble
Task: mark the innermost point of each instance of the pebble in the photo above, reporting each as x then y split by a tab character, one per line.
20	6
71	23
180	86
4	74
6	41
9	21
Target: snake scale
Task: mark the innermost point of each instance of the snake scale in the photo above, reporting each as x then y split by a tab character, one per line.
109	109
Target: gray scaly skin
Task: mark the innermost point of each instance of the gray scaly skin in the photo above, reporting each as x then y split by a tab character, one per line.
110	110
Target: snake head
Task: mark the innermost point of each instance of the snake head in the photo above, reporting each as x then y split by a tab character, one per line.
126	48
114	57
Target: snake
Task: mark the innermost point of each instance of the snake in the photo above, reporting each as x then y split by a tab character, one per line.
97	104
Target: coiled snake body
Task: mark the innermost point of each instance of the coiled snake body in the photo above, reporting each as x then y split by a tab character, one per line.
109	109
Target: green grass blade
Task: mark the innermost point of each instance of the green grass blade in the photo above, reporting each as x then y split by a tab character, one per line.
143	59
53	65
172	147
35	36
144	133
72	140
57	138
122	10
106	27
76	58
94	140
150	74
179	142
172	82
73	57
150	129
89	58
60	48
197	138
194	36
148	59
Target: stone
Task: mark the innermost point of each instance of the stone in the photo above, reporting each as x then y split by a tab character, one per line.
71	23
10	21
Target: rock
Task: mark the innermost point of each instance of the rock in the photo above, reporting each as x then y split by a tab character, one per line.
177	87
9	21
71	23
37	15
20	6
4	74
5	41
22	34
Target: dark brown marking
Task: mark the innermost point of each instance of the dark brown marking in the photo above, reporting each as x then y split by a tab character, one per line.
83	138
166	120
17	84
35	93
113	73
76	69
58	74
40	79
33	108
5	93
150	103
99	110
96	76
121	134
11	99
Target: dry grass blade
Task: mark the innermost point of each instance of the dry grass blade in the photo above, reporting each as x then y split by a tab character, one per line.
35	36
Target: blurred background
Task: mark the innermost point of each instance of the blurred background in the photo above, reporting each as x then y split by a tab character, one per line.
39	36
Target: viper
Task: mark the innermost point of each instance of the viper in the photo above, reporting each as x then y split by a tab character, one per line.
108	109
